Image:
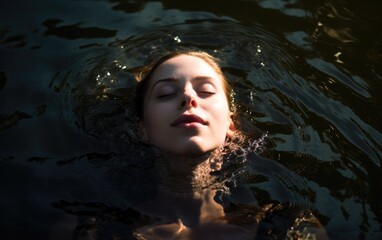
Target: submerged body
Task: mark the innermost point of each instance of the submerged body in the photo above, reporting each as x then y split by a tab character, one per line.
199	217
158	207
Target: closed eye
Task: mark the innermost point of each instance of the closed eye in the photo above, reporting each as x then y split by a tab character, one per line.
164	91
167	95
206	89
206	93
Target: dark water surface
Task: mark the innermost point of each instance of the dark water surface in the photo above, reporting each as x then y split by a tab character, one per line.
306	73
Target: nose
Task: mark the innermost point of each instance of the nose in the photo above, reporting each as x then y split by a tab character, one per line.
189	100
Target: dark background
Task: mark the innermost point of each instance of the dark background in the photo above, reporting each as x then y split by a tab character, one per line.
306	73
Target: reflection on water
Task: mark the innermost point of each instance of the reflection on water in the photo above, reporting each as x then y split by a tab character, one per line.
305	73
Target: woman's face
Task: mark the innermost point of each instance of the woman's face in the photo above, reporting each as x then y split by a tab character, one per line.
186	111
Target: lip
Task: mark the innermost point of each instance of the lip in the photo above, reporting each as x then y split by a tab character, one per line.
188	120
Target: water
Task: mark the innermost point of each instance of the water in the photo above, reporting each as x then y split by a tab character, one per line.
306	73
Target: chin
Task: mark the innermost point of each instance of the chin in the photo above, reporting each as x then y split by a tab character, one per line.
187	151
194	151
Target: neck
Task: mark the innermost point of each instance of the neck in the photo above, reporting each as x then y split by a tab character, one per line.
186	175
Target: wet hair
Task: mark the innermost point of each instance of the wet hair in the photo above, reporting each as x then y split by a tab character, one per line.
145	73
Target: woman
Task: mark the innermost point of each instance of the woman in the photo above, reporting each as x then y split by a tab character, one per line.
184	112
183	102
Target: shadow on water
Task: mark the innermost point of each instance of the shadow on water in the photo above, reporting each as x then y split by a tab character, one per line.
305	73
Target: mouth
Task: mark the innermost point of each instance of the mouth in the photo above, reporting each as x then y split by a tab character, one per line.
188	121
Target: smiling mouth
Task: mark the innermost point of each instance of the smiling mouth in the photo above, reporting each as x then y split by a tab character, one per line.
188	121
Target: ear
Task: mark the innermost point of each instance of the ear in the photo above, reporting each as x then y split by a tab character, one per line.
231	127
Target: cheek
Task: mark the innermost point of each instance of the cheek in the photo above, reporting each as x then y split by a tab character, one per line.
220	112
155	117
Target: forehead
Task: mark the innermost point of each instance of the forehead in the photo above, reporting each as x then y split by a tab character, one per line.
184	66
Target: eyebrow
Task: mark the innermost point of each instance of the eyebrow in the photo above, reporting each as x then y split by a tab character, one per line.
204	78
